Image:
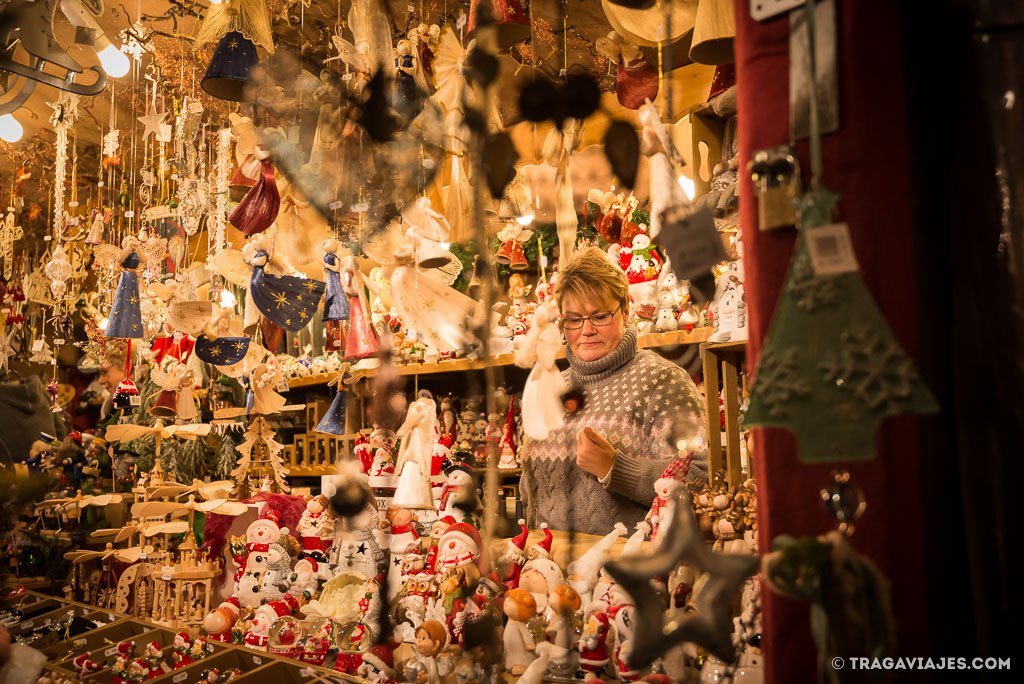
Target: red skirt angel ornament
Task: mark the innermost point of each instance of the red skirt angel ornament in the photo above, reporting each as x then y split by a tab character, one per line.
361	340
258	209
636	80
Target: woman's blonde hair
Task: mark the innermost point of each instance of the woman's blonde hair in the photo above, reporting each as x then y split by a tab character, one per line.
592	276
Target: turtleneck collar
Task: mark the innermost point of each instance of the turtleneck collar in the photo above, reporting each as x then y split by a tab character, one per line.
587	373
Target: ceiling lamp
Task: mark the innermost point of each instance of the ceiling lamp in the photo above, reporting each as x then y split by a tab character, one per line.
30	23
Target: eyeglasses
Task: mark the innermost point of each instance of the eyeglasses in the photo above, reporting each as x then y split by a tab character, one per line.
598	320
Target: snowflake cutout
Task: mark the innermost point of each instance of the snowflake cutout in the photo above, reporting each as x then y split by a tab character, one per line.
808	289
111	142
874	369
132	41
779	382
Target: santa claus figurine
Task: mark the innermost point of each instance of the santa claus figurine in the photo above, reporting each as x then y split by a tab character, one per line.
458	564
259	630
378	664
305	580
441	454
514	557
593	652
363	452
316	529
86	665
180	656
382	470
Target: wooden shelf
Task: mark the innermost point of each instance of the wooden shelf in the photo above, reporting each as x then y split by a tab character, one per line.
653	340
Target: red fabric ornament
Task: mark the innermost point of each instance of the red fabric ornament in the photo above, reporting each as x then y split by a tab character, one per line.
635	83
258	209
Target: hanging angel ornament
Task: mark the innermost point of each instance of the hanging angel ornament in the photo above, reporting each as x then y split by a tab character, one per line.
100	217
175	399
125	320
361	340
418	434
542	407
636	79
222	341
337	307
664	159
299	231
248	17
433	311
259	208
557	152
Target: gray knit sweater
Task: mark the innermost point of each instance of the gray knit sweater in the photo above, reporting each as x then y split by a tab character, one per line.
632	399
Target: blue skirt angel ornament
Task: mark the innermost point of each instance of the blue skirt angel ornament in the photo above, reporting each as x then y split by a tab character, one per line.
333	422
287	301
125	320
336	305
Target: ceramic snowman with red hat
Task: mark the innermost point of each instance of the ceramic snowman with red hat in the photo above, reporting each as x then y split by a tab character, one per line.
458	566
259	629
665	488
514	557
459	476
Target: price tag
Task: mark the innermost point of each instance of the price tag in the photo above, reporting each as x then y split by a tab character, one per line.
362	206
306	672
129	214
47	238
283	386
174	176
831	249
111	616
110	651
10	208
58	340
257	660
27	625
180	677
72	204
166	577
100	184
136	400
336	205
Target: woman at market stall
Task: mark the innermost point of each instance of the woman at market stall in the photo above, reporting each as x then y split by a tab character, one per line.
600	467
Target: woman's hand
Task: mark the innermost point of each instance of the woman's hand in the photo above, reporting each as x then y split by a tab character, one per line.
594	453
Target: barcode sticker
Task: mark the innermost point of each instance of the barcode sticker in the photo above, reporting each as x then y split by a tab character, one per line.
831	249
180	677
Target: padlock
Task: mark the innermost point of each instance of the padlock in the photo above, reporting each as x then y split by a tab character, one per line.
776	175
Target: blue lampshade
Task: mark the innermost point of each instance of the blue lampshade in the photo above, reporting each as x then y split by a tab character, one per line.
227	77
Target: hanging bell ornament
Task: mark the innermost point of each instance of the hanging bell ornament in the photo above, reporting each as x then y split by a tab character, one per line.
776	175
126	397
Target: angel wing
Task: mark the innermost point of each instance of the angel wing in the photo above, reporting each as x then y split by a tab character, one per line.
190	431
163	291
382	244
350	55
105	256
190	317
230	264
165	380
127	432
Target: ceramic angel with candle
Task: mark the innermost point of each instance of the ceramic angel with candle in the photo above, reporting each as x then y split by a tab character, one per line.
561	616
542	406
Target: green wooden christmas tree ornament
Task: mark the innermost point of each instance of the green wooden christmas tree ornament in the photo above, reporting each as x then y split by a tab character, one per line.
831	369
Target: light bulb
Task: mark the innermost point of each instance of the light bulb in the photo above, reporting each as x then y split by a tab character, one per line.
114	62
10	129
227	298
525	220
445	245
104	323
688	187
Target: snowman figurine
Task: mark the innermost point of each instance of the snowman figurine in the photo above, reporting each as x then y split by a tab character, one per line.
665	314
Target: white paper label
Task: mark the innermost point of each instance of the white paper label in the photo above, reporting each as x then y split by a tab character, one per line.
100	184
111	616
306	672
283	386
166	577
136	400
27	625
362	206
257	660
129	214
110	651
831	249
174	176
72	204
180	677
58	340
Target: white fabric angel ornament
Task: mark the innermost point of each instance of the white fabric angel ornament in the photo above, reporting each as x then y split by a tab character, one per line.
262	381
176	399
418	434
425	303
542	406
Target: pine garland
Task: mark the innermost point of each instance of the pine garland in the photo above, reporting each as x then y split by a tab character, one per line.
226	456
